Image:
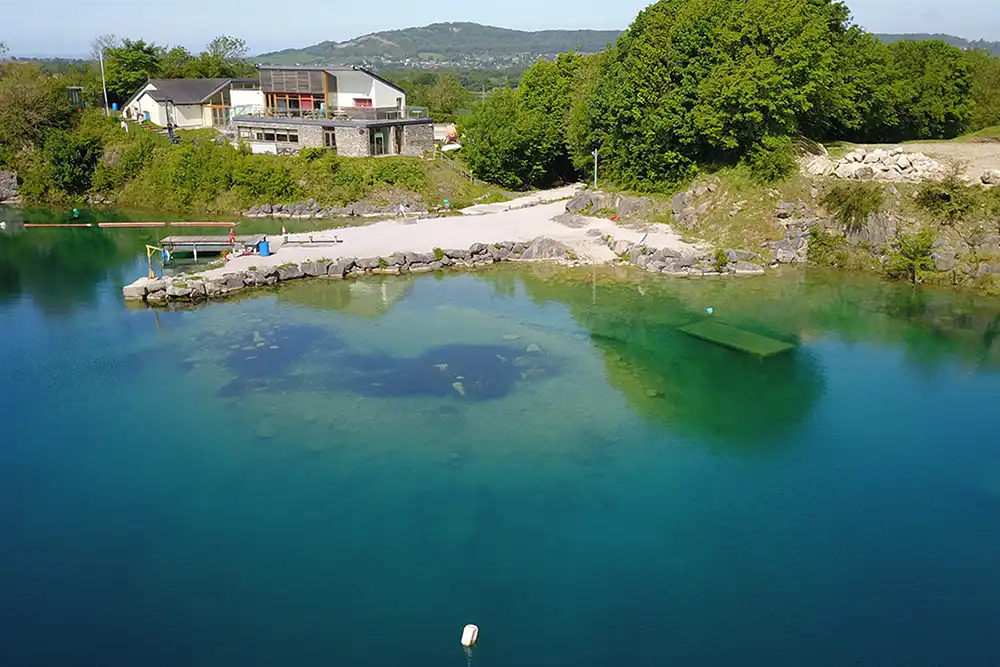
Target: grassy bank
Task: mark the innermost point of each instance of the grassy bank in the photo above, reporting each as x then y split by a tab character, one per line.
98	162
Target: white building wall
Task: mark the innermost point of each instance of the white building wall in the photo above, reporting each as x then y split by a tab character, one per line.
351	85
147	104
244	101
189	116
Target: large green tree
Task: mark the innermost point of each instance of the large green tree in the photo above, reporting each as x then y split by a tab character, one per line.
33	104
931	86
984	70
708	80
129	66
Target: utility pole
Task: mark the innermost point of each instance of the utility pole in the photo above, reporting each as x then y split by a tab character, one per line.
595	168
104	83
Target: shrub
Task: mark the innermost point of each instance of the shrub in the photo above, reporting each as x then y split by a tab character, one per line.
950	199
71	159
771	160
826	248
438	254
312	153
852	203
720	261
910	257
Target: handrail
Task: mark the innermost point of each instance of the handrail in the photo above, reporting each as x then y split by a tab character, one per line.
334	113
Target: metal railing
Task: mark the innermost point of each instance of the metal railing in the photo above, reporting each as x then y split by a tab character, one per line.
338	113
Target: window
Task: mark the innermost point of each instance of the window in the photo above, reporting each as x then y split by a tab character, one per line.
244	133
258	135
293	138
330	138
281	136
268	135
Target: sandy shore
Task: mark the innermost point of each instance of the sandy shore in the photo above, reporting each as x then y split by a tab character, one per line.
521	219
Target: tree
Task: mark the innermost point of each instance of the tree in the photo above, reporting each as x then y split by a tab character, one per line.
71	161
176	63
129	67
3	50
911	256
931	85
227	49
102	44
503	142
446	96
984	71
33	104
223	57
707	80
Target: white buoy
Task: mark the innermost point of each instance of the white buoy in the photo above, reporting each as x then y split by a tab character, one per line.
469	635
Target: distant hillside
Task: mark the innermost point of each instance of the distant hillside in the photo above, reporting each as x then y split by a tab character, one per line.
993	47
468	45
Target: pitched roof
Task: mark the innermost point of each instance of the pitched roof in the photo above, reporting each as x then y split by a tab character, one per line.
185	91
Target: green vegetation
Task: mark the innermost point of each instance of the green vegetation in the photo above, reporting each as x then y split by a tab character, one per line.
851	203
949	200
910	257
441	92
693	85
130	63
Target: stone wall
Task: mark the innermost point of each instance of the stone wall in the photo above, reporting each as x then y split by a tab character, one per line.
194	287
880	164
418	139
353	142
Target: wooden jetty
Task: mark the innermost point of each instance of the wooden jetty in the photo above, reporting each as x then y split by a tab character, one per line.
206	244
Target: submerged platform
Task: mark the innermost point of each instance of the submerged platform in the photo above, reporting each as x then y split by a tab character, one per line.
737	339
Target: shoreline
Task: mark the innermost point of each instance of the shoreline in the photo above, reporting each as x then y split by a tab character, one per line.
529	229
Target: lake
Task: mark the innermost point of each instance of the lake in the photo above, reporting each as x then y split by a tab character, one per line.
346	473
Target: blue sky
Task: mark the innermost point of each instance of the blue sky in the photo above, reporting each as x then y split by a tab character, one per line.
66	27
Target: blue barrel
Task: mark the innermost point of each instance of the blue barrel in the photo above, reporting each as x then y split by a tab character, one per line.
265	249
114	106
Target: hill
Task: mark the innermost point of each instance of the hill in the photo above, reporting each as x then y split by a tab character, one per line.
993	47
462	45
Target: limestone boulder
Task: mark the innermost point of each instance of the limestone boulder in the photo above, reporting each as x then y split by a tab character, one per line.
9	190
340	268
546	248
178	291
991	177
290	272
315	269
747	268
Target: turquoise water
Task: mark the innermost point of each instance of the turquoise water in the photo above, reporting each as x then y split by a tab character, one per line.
347	473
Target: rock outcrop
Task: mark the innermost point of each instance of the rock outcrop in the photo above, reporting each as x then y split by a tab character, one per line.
991	177
880	164
8	187
310	210
624	206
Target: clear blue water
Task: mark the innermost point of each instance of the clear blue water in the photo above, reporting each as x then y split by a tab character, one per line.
347	473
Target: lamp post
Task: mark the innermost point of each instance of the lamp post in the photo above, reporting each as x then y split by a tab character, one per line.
595	168
104	83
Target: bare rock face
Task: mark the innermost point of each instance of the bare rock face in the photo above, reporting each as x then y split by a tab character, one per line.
990	177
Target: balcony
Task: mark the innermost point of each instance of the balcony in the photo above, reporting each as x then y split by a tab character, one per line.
339	113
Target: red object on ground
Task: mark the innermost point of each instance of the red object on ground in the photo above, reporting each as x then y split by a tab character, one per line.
613	218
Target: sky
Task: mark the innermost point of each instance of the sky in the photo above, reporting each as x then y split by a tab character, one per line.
67	27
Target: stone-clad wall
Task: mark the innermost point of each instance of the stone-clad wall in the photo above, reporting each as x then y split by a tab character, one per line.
418	139
353	142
